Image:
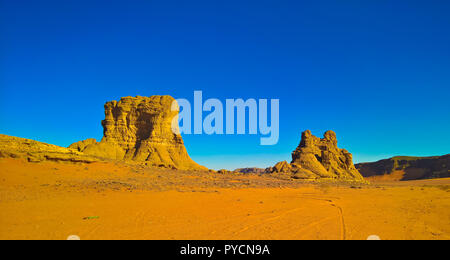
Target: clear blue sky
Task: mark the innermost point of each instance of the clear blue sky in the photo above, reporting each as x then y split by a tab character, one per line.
375	71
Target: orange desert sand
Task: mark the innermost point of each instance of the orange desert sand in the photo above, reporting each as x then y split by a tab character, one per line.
107	200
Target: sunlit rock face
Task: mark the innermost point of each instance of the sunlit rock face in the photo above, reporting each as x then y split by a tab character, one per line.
140	129
319	158
322	157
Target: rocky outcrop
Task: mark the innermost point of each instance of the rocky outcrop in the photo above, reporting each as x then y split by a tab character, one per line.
139	129
81	145
319	158
323	157
224	171
35	152
281	167
404	168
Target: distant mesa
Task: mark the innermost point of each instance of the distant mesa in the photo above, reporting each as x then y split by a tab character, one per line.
317	158
404	168
139	129
253	170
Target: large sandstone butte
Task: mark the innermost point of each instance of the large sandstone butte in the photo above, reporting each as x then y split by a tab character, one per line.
139	129
317	158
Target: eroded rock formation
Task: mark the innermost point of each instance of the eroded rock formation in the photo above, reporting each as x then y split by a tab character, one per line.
35	152
319	158
140	129
281	167
81	145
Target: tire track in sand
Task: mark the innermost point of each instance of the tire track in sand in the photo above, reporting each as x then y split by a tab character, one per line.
267	220
341	215
310	225
340	211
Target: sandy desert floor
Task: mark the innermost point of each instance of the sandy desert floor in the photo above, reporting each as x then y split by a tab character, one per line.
112	201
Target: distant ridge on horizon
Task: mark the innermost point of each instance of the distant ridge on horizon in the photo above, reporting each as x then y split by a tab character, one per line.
405	168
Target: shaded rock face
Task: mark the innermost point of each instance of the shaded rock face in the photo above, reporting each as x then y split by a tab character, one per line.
319	158
140	129
404	168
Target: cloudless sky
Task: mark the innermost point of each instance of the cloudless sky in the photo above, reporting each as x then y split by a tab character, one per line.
375	71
